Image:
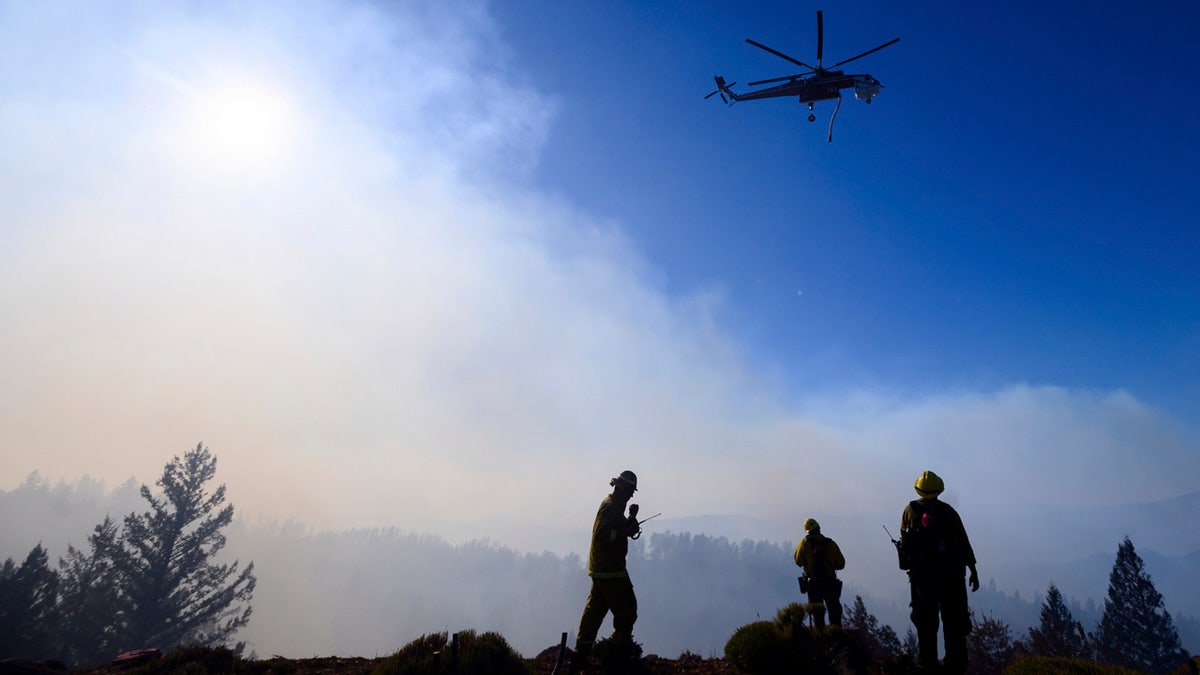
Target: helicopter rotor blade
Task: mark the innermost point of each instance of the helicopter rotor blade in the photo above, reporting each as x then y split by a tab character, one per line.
820	37
779	79
781	55
869	51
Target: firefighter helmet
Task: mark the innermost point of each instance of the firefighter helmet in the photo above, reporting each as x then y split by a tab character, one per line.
929	485
811	524
627	477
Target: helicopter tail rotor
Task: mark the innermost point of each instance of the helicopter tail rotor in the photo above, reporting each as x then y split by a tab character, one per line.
721	89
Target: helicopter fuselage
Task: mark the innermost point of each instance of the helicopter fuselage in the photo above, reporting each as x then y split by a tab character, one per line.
823	87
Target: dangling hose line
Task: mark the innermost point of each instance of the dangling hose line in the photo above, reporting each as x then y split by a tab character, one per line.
834	116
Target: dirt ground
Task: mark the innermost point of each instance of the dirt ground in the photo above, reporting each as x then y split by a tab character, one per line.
539	666
334	665
658	666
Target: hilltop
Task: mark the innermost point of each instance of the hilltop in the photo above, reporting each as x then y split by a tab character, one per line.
204	659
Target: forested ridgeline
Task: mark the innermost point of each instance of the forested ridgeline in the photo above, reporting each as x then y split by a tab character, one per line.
366	592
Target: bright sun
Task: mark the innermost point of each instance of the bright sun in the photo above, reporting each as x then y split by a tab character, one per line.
242	127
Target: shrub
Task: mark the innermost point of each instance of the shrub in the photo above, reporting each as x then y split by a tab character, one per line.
619	657
422	655
785	645
1189	667
486	654
760	648
791	620
195	659
1057	665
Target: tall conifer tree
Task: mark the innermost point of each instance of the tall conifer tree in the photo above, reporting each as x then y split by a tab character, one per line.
990	646
27	605
89	604
1058	633
172	595
1135	630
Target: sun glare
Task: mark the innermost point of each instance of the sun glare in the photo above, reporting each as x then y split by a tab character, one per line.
242	127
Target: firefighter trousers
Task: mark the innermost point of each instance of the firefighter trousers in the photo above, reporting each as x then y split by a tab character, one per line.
615	595
940	593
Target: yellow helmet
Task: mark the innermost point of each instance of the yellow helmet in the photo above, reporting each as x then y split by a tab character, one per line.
811	524
929	485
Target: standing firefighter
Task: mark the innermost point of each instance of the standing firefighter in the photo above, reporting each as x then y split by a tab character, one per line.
820	557
936	552
612	589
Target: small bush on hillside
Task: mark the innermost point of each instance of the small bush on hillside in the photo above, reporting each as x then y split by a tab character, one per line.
618	657
1057	665
760	648
195	659
422	655
486	654
1189	667
791	620
785	645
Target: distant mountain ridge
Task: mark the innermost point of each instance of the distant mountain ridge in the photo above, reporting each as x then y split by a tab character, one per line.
314	586
1023	549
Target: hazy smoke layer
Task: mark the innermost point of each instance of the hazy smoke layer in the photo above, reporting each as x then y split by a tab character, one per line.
304	234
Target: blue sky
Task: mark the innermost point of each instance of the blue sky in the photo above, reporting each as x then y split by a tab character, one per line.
451	265
1018	207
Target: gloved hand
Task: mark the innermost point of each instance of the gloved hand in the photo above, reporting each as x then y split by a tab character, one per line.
633	510
973	580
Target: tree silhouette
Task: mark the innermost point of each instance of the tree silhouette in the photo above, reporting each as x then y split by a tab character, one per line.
990	646
1135	630
171	594
882	641
27	605
89	601
1058	633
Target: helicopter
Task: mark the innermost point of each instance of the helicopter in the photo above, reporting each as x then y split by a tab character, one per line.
814	84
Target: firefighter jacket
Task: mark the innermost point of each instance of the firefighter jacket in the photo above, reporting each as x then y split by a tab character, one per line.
610	541
933	537
819	556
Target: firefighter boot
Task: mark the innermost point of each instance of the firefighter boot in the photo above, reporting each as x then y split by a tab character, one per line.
581	659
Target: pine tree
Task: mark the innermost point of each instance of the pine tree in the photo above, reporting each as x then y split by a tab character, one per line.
990	647
1058	634
1135	630
171	594
89	607
882	642
27	605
